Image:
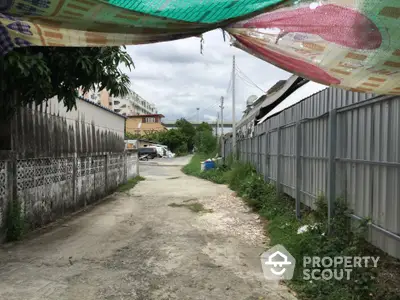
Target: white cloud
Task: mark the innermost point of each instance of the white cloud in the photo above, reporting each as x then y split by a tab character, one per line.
177	78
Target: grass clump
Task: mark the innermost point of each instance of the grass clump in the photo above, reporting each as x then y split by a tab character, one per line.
193	168
345	239
194	207
130	184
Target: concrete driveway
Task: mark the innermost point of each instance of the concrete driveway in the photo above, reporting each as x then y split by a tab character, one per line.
171	237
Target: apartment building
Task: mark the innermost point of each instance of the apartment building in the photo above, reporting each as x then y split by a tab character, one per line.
129	105
96	96
132	104
144	124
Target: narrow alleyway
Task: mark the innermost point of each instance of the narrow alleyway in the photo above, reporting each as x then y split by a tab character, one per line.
154	242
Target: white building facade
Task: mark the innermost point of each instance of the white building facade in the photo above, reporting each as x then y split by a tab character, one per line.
132	104
129	105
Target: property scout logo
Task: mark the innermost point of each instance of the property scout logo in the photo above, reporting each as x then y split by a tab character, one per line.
277	264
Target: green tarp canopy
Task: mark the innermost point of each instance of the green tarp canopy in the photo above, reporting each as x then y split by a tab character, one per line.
353	44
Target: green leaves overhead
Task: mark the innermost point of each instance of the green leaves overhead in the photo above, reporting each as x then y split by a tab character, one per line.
36	74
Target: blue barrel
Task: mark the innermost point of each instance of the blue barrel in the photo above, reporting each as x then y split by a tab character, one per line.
209	165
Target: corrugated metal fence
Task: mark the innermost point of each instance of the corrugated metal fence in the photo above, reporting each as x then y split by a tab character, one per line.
339	144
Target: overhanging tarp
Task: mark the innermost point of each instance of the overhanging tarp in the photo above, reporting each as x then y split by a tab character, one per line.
116	22
352	44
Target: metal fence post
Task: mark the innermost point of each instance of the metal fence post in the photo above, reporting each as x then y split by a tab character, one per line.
259	155
251	151
298	168
278	164
248	150
331	165
266	175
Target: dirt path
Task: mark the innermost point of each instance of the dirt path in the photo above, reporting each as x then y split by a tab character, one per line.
136	246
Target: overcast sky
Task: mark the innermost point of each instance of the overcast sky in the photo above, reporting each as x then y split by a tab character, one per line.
177	78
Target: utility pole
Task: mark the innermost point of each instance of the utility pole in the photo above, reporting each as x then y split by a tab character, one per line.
222	128
216	125
233	110
222	116
197	114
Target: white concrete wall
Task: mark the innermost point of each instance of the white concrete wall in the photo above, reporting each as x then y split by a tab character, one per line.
102	118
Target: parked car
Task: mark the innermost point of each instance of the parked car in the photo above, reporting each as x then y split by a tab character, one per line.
149	151
160	150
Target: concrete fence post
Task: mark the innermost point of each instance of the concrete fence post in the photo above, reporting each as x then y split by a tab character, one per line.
11	188
137	159
332	129
75	180
106	162
278	164
298	168
125	167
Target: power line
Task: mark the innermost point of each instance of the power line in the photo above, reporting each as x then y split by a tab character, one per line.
249	82
228	89
207	108
245	78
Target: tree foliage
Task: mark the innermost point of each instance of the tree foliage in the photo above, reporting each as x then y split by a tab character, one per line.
188	131
36	74
131	136
184	138
204	126
205	141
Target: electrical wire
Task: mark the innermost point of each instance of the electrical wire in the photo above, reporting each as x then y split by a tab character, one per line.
246	79
228	89
249	83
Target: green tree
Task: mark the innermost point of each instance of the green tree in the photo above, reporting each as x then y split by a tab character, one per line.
36	74
188	131
205	141
131	136
204	126
175	141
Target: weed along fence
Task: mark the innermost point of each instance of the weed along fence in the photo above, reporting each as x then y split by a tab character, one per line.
48	188
335	143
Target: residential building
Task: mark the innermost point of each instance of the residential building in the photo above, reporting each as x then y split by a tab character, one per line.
144	124
129	105
96	96
132	104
